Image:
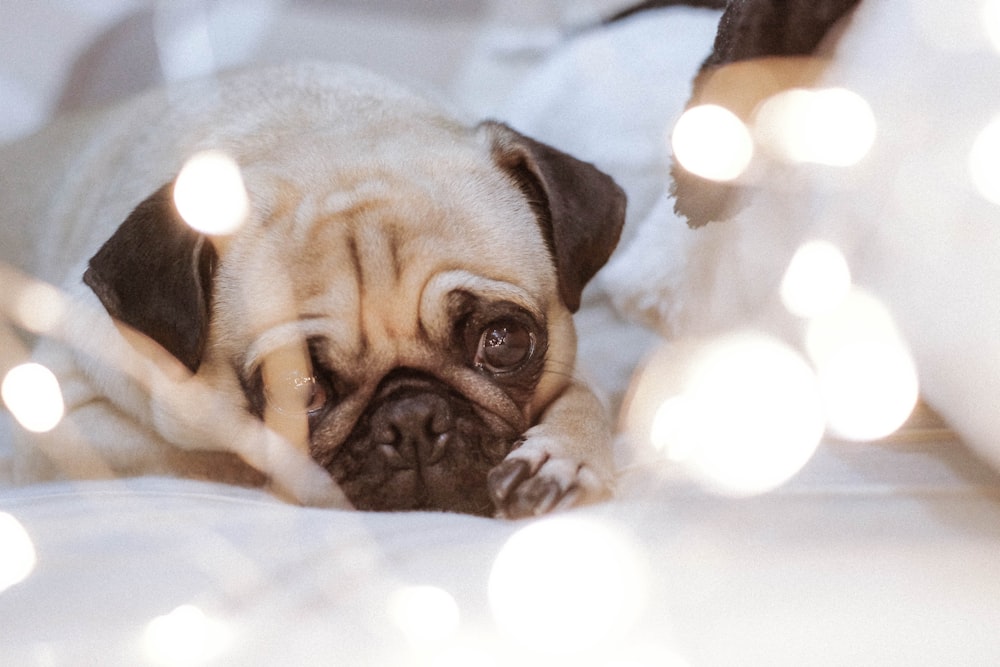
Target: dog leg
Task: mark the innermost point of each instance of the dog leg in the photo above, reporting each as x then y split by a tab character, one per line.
563	461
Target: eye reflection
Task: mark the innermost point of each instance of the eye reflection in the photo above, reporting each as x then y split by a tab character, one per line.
295	393
504	346
291	393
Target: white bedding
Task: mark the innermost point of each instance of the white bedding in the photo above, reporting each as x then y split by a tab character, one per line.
873	554
858	567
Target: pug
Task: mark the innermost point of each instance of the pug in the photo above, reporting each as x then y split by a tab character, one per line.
389	328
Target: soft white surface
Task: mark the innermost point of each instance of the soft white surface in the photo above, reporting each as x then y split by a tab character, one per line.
873	554
794	578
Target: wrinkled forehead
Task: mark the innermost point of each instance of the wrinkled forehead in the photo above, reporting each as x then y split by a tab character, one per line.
382	250
391	225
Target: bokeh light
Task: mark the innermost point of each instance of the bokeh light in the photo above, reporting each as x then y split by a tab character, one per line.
991	21
39	307
463	654
17	552
831	126
669	431
870	390
564	585
741	413
31	392
984	161
425	614
185	636
209	193
712	142
816	280
647	655
754	417
868	378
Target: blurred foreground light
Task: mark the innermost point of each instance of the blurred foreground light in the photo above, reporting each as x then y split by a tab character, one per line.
984	162
209	193
870	390
425	614
39	307
741	413
647	655
991	21
868	378
465	655
31	393
564	585
712	142
17	552
185	636
816	281
831	126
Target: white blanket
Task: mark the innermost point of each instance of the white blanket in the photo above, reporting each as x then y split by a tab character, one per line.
873	554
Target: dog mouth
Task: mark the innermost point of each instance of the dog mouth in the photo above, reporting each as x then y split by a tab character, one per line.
419	446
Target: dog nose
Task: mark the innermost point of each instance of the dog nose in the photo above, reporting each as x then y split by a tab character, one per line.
413	431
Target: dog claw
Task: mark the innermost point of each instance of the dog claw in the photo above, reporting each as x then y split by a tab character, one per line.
518	494
504	478
541	498
525	487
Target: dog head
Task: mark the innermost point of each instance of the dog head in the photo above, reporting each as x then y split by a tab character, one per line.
419	283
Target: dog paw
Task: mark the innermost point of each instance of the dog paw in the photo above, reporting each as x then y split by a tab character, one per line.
532	481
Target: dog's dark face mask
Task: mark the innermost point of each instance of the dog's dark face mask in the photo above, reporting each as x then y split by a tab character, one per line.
424	437
419	445
419	441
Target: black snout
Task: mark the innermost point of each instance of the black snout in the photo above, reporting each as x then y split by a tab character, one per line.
413	430
419	445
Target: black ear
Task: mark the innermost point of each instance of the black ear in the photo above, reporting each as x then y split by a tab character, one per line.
155	275
749	29
581	209
700	200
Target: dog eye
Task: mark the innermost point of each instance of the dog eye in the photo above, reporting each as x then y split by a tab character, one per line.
318	396
504	346
297	391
